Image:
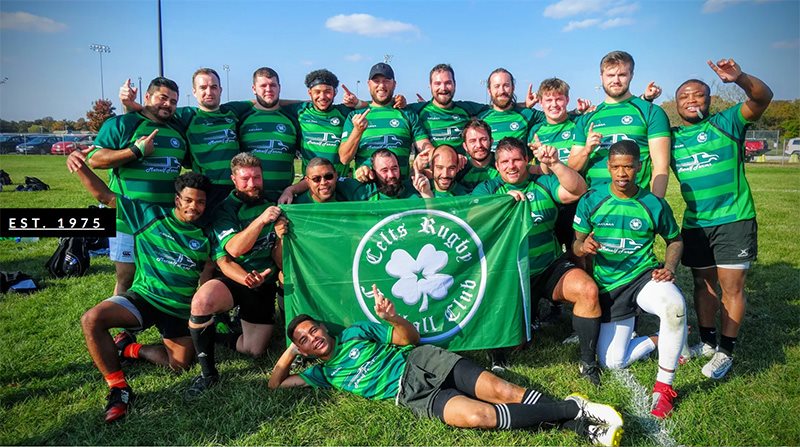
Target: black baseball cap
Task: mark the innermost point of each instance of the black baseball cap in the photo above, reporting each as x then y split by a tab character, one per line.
381	69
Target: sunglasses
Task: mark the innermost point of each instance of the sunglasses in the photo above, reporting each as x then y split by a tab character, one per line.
319	178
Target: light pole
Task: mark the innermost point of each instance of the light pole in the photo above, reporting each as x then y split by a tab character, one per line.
140	89
358	84
227	69
100	49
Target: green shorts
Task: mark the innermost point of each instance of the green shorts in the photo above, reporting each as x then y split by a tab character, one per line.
427	367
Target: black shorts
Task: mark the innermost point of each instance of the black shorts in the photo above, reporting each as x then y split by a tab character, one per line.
168	326
427	368
620	303
564	232
727	244
257	305
543	284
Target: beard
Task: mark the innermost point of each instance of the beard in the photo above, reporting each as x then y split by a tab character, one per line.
616	95
502	101
250	199
391	189
265	104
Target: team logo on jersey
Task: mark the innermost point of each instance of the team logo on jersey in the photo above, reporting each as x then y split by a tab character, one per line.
566	135
281	128
455	117
618	245
161	165
536	218
514	126
431	262
635	224
195	244
394	123
696	161
177	260
353	354
702	137
530	195
174	142
335	121
627	119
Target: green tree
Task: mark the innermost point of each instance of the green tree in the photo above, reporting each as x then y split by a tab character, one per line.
102	109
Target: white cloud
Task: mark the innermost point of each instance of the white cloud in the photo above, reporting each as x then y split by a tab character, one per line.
615	22
367	25
568	8
24	21
354	57
711	6
623	9
573	25
543	53
784	44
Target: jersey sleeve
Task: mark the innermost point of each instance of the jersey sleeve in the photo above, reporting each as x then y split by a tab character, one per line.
183	117
239	108
314	377
111	136
485	188
551	184
225	227
293	110
657	123
351	190
131	211
416	107
581	221
416	127
348	125
472	108
667	226
368	330
731	120
534	117
579	134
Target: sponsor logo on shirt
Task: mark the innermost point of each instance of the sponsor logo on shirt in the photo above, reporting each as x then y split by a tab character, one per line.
323	139
166	165
270	147
618	245
696	161
220	136
176	259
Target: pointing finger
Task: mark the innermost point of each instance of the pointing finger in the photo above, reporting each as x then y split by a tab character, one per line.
420	98
152	135
346	90
591	127
530	90
266	272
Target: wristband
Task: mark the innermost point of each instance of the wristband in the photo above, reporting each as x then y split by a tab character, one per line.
136	151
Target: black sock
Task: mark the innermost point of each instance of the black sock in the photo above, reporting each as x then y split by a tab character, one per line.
726	344
521	415
588	330
533	397
708	335
203	339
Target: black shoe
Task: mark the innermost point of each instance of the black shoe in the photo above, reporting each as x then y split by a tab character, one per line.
498	359
119	400
591	372
200	385
554	316
121	340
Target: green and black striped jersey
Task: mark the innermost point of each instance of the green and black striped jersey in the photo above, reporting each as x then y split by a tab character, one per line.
444	126
321	132
233	216
273	137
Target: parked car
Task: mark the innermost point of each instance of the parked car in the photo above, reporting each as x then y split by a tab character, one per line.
70	144
792	146
8	143
37	145
754	148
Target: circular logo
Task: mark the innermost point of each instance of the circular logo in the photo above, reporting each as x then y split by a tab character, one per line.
194	244
430	263
702	137
636	223
281	127
566	135
335	121
175	142
514	126
353	353
394	123
627	119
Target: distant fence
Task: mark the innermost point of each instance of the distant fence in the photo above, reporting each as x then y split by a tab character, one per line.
775	142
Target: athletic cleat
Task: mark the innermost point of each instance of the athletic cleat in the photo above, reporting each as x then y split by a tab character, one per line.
119	400
595	413
123	339
663	395
200	385
571	340
605	435
718	366
499	361
699	350
590	372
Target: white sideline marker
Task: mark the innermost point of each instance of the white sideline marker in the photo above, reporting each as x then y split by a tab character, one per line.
659	432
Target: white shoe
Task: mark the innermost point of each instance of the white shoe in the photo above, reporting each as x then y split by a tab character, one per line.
699	350
571	340
718	366
605	436
596	413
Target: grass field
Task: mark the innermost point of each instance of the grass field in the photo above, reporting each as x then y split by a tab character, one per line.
50	393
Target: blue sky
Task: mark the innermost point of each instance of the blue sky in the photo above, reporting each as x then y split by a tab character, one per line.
44	45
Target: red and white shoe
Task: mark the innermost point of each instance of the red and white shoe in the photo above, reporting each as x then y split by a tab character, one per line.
663	396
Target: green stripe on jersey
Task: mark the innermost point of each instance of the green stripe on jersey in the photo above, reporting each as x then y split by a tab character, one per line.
170	256
272	137
709	166
511	123
233	216
542	193
560	136
213	138
321	132
471	176
388	128
444	126
626	229
364	362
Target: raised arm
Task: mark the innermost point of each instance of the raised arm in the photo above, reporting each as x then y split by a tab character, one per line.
348	148
127	96
103	158
403	333
758	93
244	240
571	184
76	163
280	377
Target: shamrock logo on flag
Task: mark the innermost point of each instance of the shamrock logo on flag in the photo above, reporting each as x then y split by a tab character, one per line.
419	278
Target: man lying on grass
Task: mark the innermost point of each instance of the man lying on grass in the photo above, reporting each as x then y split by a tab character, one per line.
171	255
377	361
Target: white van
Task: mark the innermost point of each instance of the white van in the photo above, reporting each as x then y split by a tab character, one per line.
792	146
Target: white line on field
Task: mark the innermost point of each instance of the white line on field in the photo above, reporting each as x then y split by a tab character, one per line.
776	190
658	432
